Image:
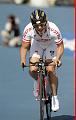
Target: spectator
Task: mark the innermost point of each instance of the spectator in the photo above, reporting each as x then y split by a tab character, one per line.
11	33
40	3
64	2
20	1
51	2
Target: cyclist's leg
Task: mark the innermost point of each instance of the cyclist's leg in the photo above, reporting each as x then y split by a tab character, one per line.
50	53
33	69
53	79
35	54
34	75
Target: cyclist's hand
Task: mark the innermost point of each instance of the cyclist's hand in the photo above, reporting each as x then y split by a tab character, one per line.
23	65
57	62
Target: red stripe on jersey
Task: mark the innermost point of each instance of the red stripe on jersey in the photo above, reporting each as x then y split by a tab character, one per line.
26	40
59	41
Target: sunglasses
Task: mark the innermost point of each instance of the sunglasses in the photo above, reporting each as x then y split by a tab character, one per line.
40	24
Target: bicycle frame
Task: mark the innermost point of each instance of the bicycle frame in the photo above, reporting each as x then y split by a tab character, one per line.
43	94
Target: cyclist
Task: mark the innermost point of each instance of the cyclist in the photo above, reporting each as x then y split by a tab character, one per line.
11	33
38	36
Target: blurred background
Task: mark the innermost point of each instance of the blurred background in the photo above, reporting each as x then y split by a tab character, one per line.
16	97
41	2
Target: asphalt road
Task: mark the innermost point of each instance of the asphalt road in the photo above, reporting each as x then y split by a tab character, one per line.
16	97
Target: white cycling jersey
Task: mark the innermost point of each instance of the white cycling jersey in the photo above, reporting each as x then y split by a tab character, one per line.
48	41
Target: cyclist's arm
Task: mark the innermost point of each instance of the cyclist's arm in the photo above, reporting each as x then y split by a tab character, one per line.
60	50
59	43
23	51
59	53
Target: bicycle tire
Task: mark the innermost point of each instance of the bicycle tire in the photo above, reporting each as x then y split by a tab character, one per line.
48	107
42	102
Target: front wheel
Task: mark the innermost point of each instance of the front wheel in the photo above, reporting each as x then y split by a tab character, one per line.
48	107
42	102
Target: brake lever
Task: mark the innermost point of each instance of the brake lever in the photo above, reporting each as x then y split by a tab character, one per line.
59	64
23	66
